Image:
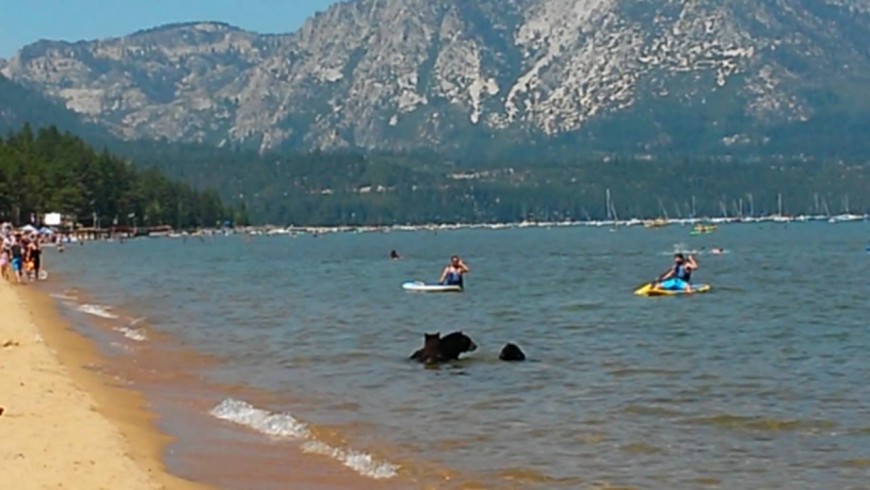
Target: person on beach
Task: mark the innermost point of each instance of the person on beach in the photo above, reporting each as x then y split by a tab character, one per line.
453	272
679	276
16	252
4	263
34	258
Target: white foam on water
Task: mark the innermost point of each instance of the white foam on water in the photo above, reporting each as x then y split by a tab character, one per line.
285	425
273	424
97	310
132	333
362	463
63	297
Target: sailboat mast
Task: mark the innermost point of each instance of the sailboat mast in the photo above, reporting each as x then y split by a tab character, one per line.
662	207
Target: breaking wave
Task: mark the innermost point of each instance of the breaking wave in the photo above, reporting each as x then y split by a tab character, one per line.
285	426
97	310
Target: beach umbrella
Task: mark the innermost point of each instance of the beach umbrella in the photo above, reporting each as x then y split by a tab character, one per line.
28	228
46	231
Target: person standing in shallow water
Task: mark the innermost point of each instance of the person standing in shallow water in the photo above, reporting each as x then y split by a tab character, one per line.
453	272
16	254
34	255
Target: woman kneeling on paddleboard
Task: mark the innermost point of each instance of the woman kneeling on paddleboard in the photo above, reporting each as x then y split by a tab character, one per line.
452	275
680	275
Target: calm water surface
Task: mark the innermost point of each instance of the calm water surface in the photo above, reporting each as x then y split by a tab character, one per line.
761	384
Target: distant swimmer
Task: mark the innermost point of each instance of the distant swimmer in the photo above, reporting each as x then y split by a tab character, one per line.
394	255
679	277
453	272
717	251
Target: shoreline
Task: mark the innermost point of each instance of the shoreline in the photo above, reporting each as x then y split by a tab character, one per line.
66	424
188	441
318	230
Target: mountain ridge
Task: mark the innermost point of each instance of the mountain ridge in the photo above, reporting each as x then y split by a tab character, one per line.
715	76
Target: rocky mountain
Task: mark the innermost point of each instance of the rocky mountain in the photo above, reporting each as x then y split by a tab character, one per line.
20	105
613	75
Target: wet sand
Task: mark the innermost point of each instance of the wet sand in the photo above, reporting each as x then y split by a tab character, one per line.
63	425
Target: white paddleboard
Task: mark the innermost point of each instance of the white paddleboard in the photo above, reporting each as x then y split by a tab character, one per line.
422	287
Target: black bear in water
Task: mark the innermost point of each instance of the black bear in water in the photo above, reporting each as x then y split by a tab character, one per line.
441	349
511	352
430	352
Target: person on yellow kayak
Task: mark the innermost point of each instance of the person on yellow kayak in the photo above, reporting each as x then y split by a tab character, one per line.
679	277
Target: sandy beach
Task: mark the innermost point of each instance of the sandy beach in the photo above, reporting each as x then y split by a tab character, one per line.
64	425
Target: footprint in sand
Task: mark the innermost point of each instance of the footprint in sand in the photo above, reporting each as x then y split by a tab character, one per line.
10	343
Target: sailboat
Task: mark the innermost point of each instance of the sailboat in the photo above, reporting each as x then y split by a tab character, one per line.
847	213
611	212
780	218
658	222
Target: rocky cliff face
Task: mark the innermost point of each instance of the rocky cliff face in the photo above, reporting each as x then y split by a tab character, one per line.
452	73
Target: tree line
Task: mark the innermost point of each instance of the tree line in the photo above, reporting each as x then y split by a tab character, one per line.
315	188
49	171
158	183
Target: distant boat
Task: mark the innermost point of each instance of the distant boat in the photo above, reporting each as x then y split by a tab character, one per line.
703	229
655	223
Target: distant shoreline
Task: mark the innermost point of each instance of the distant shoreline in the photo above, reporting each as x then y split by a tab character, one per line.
269	229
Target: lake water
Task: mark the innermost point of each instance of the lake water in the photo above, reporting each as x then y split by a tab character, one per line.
763	383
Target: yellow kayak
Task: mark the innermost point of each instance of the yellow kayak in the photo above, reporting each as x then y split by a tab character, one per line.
651	290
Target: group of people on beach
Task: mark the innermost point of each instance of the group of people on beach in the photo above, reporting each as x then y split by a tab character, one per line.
20	256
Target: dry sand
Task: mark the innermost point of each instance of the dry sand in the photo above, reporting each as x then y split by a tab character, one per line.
64	425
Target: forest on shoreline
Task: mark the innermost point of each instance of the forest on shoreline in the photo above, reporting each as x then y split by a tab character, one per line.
376	188
148	183
46	171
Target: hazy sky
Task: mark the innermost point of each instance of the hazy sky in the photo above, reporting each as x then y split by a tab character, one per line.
25	21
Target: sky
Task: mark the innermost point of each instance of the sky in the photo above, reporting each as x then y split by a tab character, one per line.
25	21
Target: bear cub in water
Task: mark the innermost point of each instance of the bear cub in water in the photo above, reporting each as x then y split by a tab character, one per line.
511	352
442	349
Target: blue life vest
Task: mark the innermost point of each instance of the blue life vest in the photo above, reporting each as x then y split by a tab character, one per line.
682	273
